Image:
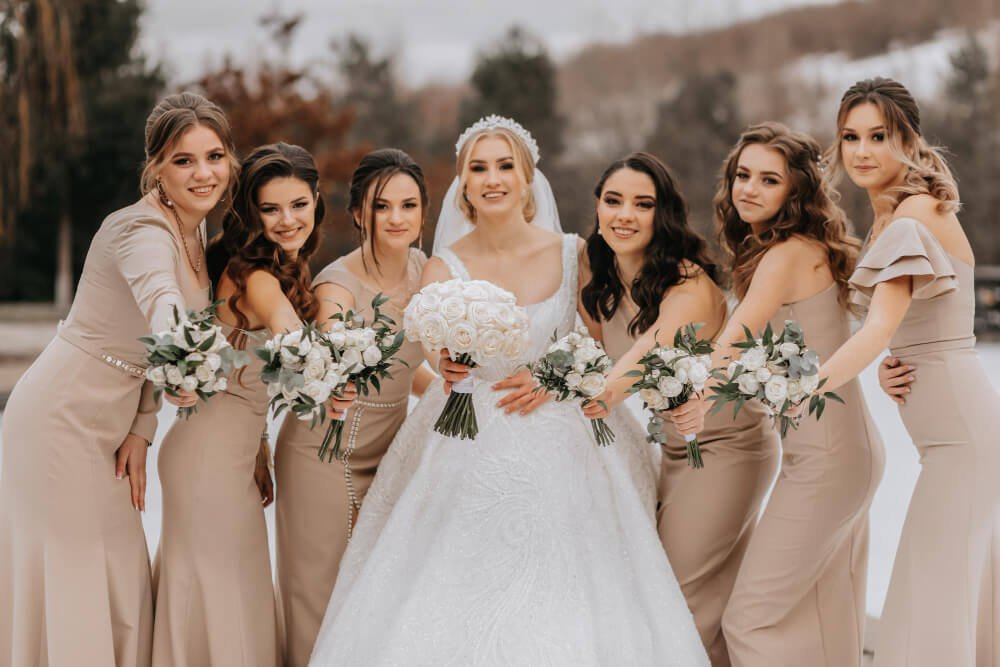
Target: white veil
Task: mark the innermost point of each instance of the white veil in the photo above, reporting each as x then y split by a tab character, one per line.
452	223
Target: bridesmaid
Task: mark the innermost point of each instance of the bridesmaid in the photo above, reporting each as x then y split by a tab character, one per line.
642	240
214	597
799	598
916	278
74	567
319	501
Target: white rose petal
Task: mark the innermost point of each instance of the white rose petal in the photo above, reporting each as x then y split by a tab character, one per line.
795	393
156	375
698	376
491	343
461	338
351	359
809	382
453	308
788	350
222	384
573	380
753	358
593	384
317	390
748	384
173	374
652	398
371	356
776	390
204	374
213	361
763	375
670	387
189	383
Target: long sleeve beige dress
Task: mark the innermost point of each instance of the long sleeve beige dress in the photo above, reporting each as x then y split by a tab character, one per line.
706	516
930	615
316	500
74	567
799	598
212	572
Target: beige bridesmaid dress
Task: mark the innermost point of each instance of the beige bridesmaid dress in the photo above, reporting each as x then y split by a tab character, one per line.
316	501
74	567
212	572
706	516
930	616
799	598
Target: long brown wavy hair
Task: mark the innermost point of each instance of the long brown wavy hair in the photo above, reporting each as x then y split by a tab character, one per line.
927	171
242	248
810	210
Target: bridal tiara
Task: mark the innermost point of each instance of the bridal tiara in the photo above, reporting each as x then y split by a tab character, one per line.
494	122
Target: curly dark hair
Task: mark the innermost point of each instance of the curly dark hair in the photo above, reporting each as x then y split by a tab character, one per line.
367	183
673	243
242	248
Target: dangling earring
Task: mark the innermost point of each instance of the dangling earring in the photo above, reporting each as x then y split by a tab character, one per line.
164	199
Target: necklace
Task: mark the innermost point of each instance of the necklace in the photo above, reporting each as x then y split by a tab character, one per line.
180	230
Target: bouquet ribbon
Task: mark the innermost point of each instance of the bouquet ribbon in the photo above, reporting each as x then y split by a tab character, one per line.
464	386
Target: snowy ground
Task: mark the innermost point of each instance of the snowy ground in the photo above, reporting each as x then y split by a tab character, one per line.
887	512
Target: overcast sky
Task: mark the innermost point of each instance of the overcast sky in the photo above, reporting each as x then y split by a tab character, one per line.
436	39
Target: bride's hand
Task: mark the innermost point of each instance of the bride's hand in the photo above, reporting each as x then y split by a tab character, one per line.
523	396
451	371
185	399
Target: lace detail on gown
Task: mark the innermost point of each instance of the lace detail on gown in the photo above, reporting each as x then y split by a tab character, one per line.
530	545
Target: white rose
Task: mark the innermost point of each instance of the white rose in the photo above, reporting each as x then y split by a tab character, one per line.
426	302
559	345
195	356
290	339
356	338
461	338
189	383
588	352
573	379
290	360
809	382
156	375
314	370
314	356
670	387
788	350
204	374
573	338
317	390
222	384
698	376
213	361
351	359
510	317
705	360
753	358
333	377
474	290
514	346
681	374
272	389
652	398
731	369
453	308
795	393
776	390
173	374
580	367
491	343
433	329
372	355
593	384
763	375
337	338
748	384
776	367
668	354
481	313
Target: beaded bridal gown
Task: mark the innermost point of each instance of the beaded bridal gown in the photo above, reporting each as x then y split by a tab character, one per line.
529	545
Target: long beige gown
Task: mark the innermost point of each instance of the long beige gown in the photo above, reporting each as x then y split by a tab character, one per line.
316	500
212	572
930	613
74	567
799	598
706	517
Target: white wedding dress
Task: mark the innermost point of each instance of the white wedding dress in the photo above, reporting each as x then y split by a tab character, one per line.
530	545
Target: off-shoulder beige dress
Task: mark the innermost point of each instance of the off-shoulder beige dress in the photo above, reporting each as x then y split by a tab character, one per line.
316	500
706	516
799	598
952	414
212	572
74	567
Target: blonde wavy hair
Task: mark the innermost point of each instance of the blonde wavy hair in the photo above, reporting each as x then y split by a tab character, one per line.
810	210
927	171
524	167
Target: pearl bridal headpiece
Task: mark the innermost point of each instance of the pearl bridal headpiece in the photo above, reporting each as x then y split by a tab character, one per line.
495	122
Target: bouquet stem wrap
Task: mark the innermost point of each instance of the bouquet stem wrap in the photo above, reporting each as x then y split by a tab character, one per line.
458	418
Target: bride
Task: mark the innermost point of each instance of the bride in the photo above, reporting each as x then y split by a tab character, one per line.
529	545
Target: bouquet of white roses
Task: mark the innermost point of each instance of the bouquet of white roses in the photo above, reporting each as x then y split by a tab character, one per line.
365	352
670	376
300	373
575	366
478	323
779	371
192	354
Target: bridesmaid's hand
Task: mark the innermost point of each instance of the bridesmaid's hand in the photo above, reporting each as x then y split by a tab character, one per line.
338	404
186	399
596	407
451	371
895	378
689	418
130	459
523	396
262	474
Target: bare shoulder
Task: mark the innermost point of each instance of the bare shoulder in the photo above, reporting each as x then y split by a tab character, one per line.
925	208
435	270
790	254
261	280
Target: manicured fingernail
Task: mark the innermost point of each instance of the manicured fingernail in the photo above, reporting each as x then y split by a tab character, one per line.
907	390
910	379
118	475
